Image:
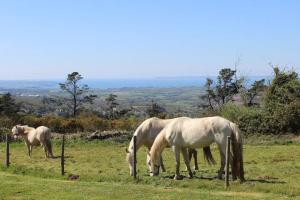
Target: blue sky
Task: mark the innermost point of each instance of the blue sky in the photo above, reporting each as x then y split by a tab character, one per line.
146	38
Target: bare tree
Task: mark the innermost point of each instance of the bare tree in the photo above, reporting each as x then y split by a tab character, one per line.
227	85
112	105
257	86
79	93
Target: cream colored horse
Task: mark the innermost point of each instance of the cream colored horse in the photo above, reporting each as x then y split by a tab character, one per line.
35	137
146	134
183	133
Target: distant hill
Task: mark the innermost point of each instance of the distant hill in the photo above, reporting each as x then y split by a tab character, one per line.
161	82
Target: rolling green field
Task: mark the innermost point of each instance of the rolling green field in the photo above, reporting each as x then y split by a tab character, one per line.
272	172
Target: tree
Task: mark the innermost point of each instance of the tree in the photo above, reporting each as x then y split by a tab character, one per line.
226	87
8	106
79	93
112	104
209	96
282	102
155	110
256	88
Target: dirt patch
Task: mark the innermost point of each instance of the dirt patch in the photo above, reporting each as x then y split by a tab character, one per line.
73	177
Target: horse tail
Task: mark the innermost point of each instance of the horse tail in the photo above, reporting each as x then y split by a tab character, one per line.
48	142
208	156
49	147
237	149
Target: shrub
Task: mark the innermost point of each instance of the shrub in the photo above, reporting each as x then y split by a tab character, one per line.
71	125
280	112
282	102
250	120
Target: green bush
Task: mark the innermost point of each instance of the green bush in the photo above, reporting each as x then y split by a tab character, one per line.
71	125
282	102
250	120
280	111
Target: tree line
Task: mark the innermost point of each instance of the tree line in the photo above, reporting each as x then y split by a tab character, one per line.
262	107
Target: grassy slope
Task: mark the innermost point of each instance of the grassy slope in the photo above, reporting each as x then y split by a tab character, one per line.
273	172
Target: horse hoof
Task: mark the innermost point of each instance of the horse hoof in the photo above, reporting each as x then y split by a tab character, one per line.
197	168
190	176
179	177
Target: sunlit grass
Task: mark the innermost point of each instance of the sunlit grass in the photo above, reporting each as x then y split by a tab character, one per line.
272	171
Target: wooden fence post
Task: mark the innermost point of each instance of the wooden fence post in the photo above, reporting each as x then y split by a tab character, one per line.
227	162
7	151
134	157
62	158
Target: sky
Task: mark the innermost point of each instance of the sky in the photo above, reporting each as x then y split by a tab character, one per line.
146	38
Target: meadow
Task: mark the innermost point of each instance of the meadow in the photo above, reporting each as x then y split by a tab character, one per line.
272	172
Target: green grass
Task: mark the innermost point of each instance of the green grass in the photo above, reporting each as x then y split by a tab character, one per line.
272	171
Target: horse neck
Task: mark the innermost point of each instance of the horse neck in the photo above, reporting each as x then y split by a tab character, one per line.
158	146
26	130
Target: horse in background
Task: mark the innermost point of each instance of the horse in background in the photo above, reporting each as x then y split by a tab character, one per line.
35	137
146	134
184	132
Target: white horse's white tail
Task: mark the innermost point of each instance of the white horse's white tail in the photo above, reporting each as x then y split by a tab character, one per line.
49	148
237	149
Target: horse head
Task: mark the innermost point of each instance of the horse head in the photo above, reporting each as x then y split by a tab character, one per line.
129	158
153	165
17	130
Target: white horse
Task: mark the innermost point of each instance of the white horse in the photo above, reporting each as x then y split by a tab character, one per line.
146	134
183	133
35	137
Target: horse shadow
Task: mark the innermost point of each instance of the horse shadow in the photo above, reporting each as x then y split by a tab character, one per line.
272	181
259	180
194	177
59	157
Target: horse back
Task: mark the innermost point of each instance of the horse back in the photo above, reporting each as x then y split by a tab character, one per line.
43	132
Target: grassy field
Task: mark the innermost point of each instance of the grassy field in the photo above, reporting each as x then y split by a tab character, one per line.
272	172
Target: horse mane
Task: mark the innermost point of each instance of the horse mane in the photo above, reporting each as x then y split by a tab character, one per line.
158	146
26	128
137	133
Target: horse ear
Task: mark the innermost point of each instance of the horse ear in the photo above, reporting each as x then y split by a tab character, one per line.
126	150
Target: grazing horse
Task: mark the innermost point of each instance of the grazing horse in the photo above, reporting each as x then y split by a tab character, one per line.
35	137
184	132
146	134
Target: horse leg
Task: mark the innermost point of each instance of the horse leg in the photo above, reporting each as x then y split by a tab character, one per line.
177	158
222	148
220	173
190	154
187	161
233	171
195	159
163	169
45	150
190	151
28	149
